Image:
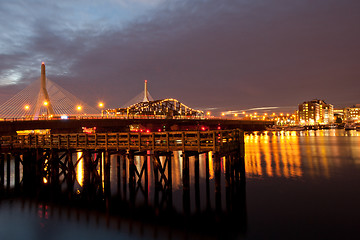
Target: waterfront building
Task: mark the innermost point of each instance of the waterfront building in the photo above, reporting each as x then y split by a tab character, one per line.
352	113
316	112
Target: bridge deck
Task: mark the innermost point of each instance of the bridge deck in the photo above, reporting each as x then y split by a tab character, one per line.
217	141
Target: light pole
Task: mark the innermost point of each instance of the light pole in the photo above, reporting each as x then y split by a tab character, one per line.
101	106
26	107
79	108
46	106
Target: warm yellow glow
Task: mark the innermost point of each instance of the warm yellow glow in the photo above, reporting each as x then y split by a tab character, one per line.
235	114
222	114
281	114
272	156
101	104
255	114
27	107
211	165
208	113
79	108
80	169
243	112
265	114
46	103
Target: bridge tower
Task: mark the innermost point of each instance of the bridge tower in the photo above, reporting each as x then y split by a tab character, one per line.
43	97
146	97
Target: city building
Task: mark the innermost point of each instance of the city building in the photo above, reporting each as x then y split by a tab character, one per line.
316	112
352	113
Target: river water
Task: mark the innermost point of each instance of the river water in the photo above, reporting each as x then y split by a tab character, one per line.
298	185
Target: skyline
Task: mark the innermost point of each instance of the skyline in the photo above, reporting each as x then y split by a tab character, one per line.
233	55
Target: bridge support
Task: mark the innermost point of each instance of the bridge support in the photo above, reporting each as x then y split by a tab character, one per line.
163	181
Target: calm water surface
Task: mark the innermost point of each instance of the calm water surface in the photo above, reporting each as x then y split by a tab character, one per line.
303	185
299	185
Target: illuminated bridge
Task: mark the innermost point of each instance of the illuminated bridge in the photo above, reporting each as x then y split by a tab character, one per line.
168	108
164	108
44	99
43	108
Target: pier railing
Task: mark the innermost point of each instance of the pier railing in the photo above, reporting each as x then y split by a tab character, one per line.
217	141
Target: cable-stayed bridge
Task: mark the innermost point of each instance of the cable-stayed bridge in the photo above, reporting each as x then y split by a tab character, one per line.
47	101
44	99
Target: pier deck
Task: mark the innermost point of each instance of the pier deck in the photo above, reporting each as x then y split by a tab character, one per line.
200	141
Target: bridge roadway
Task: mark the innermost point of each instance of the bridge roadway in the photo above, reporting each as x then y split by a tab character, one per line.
103	125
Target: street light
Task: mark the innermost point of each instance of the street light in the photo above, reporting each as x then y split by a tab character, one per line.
46	103
78	108
101	104
27	107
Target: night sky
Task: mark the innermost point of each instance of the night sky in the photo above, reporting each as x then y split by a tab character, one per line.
209	54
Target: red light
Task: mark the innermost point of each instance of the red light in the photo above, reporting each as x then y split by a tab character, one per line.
42	63
203	128
146	81
141	130
219	127
147	130
159	130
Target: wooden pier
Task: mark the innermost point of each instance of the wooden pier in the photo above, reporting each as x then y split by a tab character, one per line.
30	161
201	141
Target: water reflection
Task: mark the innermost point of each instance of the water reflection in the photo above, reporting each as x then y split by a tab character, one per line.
186	191
300	154
272	155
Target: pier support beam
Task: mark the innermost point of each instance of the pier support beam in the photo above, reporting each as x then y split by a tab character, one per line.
163	179
8	170
2	173
217	173
197	183
186	182
17	171
106	174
